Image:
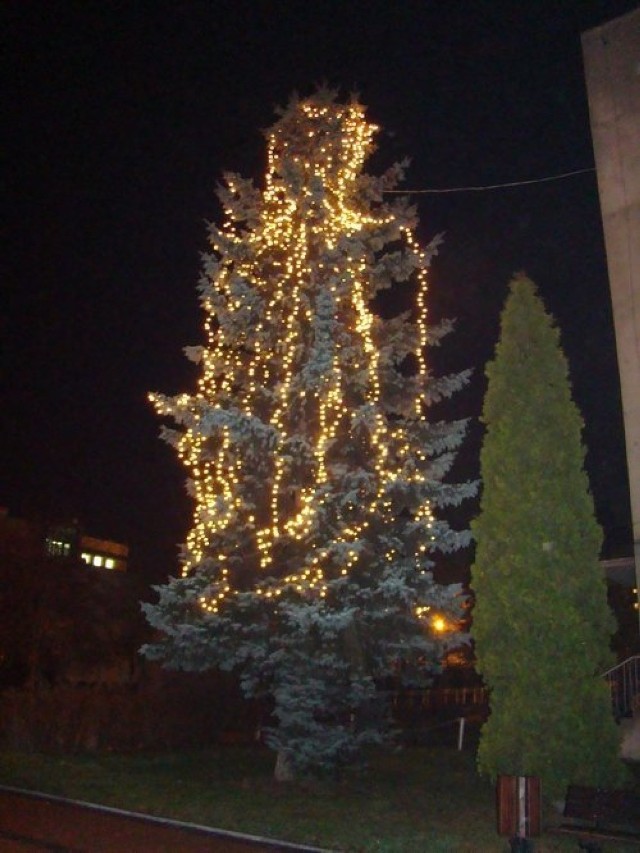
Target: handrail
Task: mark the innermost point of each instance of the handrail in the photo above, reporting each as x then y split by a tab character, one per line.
621	664
624	684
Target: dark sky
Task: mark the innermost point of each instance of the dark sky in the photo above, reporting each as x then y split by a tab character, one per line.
121	117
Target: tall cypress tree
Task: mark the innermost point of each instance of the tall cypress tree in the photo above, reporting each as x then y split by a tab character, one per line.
541	622
315	473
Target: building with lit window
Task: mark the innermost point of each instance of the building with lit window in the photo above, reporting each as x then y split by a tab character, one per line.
103	553
70	541
59	542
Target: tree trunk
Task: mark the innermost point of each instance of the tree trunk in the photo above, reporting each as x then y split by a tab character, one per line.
284	771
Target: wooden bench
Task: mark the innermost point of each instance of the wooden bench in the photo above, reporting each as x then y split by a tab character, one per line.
594	813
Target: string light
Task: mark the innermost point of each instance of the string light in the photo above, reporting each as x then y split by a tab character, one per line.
286	306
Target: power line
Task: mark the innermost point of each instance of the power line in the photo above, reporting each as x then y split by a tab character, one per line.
494	186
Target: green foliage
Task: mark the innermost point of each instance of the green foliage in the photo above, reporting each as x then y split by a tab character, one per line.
315	472
541	622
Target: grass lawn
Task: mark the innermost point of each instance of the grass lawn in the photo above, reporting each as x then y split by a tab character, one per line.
426	799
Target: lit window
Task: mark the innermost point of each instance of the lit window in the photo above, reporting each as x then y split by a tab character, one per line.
57	548
86	558
109	563
97	560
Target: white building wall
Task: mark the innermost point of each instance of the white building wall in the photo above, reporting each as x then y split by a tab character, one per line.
612	69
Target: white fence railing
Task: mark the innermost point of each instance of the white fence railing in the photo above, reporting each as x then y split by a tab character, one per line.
624	684
439	697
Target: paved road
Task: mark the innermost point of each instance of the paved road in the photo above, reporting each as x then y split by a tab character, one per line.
37	822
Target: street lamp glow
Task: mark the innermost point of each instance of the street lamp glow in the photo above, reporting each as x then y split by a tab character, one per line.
439	624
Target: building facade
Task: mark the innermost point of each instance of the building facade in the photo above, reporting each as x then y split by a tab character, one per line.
612	71
60	541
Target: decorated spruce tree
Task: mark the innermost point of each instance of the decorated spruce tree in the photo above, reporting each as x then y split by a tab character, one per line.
315	473
541	622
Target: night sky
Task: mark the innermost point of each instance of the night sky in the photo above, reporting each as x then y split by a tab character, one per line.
121	118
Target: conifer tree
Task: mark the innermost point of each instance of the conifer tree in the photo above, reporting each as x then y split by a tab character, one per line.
314	470
541	622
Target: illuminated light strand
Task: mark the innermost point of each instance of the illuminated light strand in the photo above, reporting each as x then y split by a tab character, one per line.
287	243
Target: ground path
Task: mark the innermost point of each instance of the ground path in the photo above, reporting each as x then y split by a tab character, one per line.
39	822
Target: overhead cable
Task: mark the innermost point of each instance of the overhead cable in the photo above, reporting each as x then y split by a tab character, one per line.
494	186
